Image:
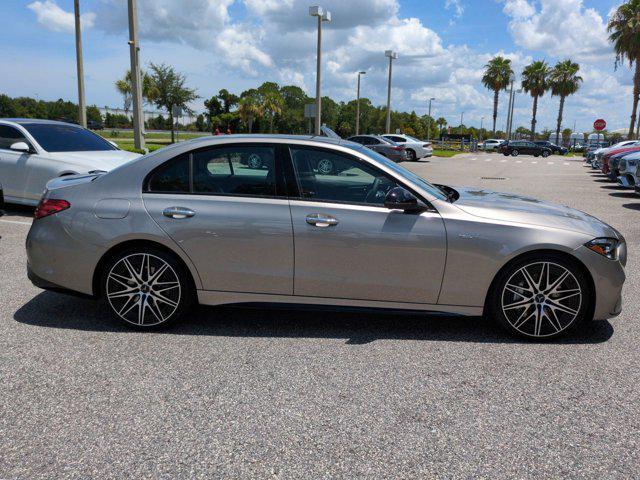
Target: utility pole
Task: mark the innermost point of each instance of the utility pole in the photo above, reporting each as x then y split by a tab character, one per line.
461	118
392	55
136	81
481	123
508	127
358	104
82	110
323	16
429	119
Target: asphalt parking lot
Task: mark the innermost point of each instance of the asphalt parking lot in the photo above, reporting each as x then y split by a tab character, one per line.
247	393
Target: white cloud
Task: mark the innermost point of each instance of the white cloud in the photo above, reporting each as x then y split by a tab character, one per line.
560	28
456	6
54	18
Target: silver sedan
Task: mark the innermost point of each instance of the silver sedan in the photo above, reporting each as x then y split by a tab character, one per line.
194	222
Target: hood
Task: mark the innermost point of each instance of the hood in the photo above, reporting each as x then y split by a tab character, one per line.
99	160
520	209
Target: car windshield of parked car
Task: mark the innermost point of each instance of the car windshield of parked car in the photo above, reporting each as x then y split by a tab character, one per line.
412	177
67	138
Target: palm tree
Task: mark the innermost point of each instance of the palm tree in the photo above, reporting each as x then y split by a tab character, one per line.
272	104
441	122
497	75
624	32
249	107
564	81
534	82
124	86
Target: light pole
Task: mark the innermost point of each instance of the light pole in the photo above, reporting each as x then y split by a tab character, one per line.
429	119
82	111
358	103
481	123
461	118
323	16
392	56
136	87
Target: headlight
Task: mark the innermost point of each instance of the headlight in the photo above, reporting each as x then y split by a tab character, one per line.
607	247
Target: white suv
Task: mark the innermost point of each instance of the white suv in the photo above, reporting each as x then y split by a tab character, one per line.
415	148
490	144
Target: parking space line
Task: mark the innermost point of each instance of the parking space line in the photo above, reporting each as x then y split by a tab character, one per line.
16	222
534	161
502	161
518	161
488	160
566	163
549	163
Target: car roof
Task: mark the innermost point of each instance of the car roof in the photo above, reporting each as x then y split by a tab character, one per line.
32	121
212	139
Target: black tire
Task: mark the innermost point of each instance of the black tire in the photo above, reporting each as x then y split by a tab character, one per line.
506	154
566	322
411	155
545	153
515	152
162	304
536	155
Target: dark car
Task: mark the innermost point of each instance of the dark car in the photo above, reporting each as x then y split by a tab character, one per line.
523	147
384	146
94	125
554	148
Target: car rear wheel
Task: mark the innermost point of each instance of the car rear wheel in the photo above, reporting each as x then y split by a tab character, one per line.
146	288
515	153
411	155
545	154
540	297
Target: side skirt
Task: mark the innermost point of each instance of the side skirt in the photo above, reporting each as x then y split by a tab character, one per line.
208	297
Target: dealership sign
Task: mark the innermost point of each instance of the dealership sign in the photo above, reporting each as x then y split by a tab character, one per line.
600	124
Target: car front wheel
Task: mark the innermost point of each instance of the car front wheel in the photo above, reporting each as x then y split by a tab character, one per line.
515	153
146	288
411	156
540	297
545	154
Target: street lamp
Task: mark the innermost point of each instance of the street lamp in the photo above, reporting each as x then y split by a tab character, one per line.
481	123
323	16
429	119
392	56
358	103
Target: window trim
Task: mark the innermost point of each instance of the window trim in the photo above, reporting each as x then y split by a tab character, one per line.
298	197
280	183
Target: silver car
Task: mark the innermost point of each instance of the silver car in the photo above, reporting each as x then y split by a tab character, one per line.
192	223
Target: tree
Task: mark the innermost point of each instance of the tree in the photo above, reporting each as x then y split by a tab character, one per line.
564	81
171	91
214	108
497	75
441	122
229	100
125	87
624	33
534	82
249	107
272	105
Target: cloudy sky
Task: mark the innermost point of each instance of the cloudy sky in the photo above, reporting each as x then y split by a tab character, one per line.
237	44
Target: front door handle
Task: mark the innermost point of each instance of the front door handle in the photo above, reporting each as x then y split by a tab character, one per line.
321	220
178	212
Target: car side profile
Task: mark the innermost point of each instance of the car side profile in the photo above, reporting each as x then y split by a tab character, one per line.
191	223
382	145
491	144
415	148
32	152
559	150
523	147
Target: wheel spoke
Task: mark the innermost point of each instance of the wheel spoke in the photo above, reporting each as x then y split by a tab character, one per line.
558	282
566	294
154	309
522	319
121	279
538	325
131	270
529	279
515	289
544	276
165	286
123	293
129	305
163	299
553	319
562	308
142	305
156	276
518	304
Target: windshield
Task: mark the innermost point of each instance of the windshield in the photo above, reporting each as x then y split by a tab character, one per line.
412	177
66	138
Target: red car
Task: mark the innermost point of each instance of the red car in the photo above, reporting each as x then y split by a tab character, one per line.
605	159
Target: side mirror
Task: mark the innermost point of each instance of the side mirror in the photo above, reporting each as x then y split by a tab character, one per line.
400	199
20	147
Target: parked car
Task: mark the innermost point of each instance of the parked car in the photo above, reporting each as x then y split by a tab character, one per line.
415	148
523	147
628	170
605	157
95	125
595	152
384	146
183	225
552	146
490	144
33	152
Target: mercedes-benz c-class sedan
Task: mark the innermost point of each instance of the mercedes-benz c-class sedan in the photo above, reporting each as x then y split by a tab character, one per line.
194	223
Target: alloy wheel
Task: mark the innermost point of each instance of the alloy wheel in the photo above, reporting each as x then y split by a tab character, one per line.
325	166
515	153
541	299
143	289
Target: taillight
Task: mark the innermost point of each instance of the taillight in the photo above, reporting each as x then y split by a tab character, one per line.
50	206
398	149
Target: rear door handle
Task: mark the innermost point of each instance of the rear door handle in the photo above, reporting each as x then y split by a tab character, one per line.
178	212
321	220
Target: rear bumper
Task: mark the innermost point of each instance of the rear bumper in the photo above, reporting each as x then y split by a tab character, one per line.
52	287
